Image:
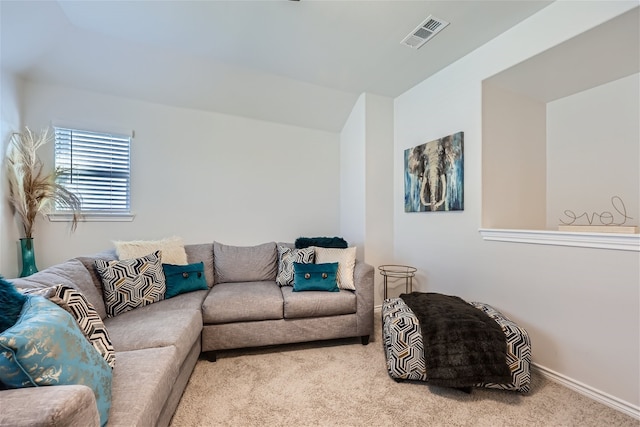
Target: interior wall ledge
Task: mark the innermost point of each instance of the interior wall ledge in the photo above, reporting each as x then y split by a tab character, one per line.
611	241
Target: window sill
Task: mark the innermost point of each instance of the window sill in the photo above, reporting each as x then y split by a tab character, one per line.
612	241
92	217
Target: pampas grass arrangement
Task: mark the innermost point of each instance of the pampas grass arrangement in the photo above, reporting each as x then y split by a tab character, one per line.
32	190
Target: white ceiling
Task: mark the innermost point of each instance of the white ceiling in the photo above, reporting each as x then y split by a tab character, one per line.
302	63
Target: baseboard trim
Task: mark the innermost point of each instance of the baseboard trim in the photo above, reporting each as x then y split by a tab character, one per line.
597	395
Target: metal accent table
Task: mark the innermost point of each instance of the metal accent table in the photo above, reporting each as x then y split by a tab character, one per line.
398	272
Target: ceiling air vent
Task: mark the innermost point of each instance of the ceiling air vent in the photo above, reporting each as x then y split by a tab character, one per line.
423	32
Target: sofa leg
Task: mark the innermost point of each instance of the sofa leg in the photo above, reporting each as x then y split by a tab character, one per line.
210	356
365	339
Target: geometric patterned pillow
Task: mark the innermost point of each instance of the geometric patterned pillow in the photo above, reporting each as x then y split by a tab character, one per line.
87	318
286	258
131	283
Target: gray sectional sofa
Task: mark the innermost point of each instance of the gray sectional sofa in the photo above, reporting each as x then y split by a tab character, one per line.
158	345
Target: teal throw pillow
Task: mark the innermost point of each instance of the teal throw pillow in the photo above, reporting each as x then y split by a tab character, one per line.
315	277
45	347
11	302
184	278
323	242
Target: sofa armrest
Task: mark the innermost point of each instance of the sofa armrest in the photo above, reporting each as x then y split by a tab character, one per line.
63	405
363	278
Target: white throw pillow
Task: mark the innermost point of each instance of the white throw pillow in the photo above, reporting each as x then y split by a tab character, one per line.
172	249
346	259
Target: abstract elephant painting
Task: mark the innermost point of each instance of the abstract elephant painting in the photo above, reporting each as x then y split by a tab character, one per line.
434	175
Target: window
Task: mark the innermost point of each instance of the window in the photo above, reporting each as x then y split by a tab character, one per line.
96	167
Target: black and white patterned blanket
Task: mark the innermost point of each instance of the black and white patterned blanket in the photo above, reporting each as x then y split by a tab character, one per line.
462	345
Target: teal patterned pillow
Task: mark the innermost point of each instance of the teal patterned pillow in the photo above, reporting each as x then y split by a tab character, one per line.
45	347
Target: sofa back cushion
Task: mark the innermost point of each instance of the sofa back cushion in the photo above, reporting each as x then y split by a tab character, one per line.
70	273
202	252
245	263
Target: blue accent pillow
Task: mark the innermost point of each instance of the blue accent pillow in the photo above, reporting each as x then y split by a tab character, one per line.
45	347
184	278
315	277
11	302
323	242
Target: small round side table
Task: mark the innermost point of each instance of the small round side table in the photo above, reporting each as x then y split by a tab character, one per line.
398	272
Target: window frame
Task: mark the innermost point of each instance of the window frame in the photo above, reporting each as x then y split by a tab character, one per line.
103	214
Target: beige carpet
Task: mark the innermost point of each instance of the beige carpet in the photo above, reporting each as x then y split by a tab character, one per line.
343	383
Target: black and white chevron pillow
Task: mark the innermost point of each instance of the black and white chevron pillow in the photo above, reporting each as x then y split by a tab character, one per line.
87	319
85	315
131	283
286	258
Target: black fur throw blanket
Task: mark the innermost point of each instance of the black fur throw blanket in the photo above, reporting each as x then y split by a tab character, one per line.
462	345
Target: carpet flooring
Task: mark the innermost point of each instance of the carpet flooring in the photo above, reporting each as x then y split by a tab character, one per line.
343	383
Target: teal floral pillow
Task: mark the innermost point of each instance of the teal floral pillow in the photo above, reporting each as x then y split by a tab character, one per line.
45	347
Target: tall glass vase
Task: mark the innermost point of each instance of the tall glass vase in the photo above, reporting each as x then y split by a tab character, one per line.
28	257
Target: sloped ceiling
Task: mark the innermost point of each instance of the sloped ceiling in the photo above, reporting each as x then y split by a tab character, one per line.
295	62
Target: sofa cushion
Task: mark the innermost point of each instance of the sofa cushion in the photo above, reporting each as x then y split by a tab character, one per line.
172	249
45	347
286	257
202	252
63	405
71	273
156	325
317	303
142	382
132	283
242	302
245	263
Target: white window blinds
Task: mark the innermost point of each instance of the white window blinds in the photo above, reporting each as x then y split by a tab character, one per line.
96	167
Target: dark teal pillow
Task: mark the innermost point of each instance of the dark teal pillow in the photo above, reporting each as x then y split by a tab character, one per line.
323	242
11	302
315	277
184	278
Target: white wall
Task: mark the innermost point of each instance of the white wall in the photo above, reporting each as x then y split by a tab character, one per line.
352	176
581	306
593	146
379	189
366	177
9	123
200	175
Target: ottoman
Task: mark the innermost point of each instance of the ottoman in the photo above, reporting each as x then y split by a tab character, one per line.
404	348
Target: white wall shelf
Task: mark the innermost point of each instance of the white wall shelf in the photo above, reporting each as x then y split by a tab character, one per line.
611	241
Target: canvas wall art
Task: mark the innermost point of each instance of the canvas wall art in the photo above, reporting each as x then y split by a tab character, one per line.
434	175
